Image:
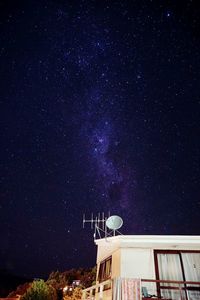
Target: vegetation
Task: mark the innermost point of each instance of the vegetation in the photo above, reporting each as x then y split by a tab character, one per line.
59	280
40	290
76	294
9	282
21	290
52	288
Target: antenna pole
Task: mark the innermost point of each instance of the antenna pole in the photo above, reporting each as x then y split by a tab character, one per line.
92	221
99	223
83	220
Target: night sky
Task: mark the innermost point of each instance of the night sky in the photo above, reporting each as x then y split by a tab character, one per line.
100	111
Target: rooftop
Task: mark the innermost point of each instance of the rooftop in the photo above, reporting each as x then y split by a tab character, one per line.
110	244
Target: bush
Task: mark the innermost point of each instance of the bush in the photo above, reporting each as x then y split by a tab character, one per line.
40	290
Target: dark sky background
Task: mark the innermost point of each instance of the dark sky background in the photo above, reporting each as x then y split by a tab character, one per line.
100	111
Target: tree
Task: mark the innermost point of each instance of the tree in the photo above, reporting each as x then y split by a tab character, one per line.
76	294
21	290
88	278
40	290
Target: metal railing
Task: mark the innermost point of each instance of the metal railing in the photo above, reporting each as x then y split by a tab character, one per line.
99	288
182	288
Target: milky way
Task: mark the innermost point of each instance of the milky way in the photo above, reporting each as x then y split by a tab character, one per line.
111	172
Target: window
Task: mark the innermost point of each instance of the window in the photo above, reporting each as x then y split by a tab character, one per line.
105	269
178	266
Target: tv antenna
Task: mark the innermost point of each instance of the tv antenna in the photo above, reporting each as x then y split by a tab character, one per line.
104	225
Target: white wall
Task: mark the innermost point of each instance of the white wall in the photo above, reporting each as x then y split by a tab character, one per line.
116	264
137	263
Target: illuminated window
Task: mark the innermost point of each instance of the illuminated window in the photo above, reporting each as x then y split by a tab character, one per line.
105	269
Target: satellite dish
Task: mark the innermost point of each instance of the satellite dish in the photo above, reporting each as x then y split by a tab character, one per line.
114	222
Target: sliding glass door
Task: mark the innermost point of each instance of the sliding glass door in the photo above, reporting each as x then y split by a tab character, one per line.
178	266
169	266
191	264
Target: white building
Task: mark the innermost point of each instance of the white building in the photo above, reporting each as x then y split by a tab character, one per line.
168	267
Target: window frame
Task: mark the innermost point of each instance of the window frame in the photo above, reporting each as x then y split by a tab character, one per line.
102	276
161	251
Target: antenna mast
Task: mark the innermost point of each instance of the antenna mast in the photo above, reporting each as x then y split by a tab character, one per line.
97	222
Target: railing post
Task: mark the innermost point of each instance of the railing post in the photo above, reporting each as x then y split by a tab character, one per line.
180	290
90	294
83	295
101	292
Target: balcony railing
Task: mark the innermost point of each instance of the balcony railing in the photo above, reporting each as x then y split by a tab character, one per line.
155	289
181	290
99	288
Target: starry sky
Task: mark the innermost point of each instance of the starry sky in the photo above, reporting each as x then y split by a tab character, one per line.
100	111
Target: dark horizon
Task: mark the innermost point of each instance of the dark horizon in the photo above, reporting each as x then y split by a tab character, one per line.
100	111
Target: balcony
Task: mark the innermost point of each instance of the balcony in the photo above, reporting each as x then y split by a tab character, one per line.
150	289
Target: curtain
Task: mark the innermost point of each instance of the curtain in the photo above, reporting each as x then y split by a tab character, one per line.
108	268
117	293
126	289
191	264
170	269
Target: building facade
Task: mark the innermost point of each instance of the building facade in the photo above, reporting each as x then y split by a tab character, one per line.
168	266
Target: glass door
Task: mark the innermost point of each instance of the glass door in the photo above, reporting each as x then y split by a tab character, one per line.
169	268
191	265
